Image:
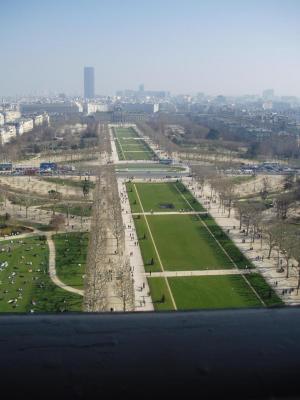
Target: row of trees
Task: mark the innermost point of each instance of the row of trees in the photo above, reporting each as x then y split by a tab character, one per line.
108	279
256	220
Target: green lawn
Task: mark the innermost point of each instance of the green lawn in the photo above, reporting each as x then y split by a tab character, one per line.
25	283
138	152
139	145
266	293
119	151
234	252
84	210
129	141
160	294
71	254
224	291
130	149
70	182
184	243
168	196
125	132
150	259
133	199
138	155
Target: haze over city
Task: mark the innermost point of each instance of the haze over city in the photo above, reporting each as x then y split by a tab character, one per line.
218	47
150	199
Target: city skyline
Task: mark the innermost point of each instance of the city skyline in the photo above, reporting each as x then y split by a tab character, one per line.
212	47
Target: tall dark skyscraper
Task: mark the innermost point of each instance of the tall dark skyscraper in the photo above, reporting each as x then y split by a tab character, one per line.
89	82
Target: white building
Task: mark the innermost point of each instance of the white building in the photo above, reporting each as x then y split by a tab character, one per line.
11	115
46	119
38	120
79	105
2	120
7	132
24	125
147	108
96	107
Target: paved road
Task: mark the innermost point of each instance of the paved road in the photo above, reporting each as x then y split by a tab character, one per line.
151	174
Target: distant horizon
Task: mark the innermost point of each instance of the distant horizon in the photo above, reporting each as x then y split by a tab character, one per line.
210	46
52	93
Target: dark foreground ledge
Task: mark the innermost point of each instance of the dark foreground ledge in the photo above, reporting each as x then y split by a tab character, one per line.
214	354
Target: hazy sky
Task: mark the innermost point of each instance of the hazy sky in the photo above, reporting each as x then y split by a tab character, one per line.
216	46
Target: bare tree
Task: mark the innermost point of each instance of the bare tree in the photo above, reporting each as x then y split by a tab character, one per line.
271	232
57	221
124	285
282	204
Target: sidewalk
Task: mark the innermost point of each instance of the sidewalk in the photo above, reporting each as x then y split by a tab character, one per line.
211	272
267	267
143	301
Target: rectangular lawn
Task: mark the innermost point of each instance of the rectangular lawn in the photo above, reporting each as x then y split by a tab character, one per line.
160	294
71	253
184	243
126	132
138	155
149	255
165	197
224	291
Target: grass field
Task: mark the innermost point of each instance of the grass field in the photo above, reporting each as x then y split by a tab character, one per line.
84	210
125	132
71	254
184	244
191	242
130	146
25	284
160	294
224	291
138	155
164	197
70	182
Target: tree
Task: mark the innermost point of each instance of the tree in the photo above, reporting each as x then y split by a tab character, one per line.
265	188
55	196
213	134
271	232
249	212
289	181
28	202
288	243
86	187
124	285
282	204
57	221
229	195
296	255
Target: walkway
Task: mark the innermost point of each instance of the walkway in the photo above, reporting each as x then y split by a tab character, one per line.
52	258
143	301
211	272
52	268
171	213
